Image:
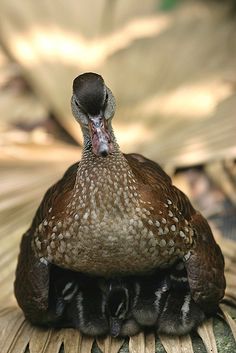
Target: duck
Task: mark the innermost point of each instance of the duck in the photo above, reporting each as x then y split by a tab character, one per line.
152	291
114	214
87	309
120	300
63	286
160	301
62	289
180	314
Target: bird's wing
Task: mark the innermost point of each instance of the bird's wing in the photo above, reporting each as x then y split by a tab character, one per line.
204	261
205	267
32	281
33	274
56	195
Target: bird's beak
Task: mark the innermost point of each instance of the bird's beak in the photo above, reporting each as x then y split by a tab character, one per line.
115	326
100	136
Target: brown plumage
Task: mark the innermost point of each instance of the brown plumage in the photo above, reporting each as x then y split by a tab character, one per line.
114	214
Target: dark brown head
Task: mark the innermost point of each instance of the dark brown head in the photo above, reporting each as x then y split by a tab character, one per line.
93	106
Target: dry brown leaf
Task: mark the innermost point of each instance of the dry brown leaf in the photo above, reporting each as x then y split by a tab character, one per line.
150	343
230	301
21	339
218	173
39	340
181	344
137	343
6	311
228	264
228	248
11	324
86	344
170	343
231	280
230	294
231	268
230	321
55	342
186	344
72	341
206	333
26	38
109	344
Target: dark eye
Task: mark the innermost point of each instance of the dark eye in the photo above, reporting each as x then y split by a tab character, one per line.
80	108
106	97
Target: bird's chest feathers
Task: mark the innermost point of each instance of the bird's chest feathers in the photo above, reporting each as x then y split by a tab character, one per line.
106	221
105	202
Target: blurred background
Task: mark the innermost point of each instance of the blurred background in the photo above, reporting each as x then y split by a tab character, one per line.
171	65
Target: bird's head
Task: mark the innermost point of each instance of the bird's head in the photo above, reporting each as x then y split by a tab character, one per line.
93	106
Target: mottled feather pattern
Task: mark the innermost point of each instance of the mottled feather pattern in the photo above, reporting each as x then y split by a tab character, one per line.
32	277
200	275
114	216
63	189
204	241
59	190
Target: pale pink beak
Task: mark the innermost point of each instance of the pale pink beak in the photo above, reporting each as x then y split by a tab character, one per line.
100	136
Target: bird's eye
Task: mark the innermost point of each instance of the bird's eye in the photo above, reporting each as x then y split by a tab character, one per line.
105	101
80	108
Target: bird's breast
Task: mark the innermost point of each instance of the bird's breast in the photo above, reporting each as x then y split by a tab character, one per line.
107	228
111	241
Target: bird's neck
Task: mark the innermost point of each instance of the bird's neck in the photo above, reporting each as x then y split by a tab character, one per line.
90	161
114	164
109	179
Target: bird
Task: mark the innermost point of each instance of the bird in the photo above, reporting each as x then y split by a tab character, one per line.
161	300
121	296
180	314
152	291
114	214
87	310
64	285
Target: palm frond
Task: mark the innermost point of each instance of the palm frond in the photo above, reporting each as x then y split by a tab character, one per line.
206	333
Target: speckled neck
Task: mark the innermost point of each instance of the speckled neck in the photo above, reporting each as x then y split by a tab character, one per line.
105	183
106	179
